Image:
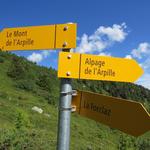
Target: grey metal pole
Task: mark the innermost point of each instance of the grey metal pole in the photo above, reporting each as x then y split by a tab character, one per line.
63	135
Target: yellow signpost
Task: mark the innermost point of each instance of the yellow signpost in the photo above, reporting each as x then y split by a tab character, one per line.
85	66
38	37
0	41
128	116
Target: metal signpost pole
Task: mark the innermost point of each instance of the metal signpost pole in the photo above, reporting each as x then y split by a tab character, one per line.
63	137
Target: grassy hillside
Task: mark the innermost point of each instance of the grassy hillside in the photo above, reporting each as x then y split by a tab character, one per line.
24	85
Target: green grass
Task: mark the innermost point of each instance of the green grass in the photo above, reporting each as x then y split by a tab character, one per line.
41	134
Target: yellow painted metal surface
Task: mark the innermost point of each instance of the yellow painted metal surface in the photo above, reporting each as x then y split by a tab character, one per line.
68	65
76	101
128	116
0	41
104	68
28	38
109	68
39	37
66	36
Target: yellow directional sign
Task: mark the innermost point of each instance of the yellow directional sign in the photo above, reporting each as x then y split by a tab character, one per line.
98	67
127	116
68	65
0	42
38	37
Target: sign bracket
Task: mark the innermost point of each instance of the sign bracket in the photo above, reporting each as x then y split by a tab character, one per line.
73	93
